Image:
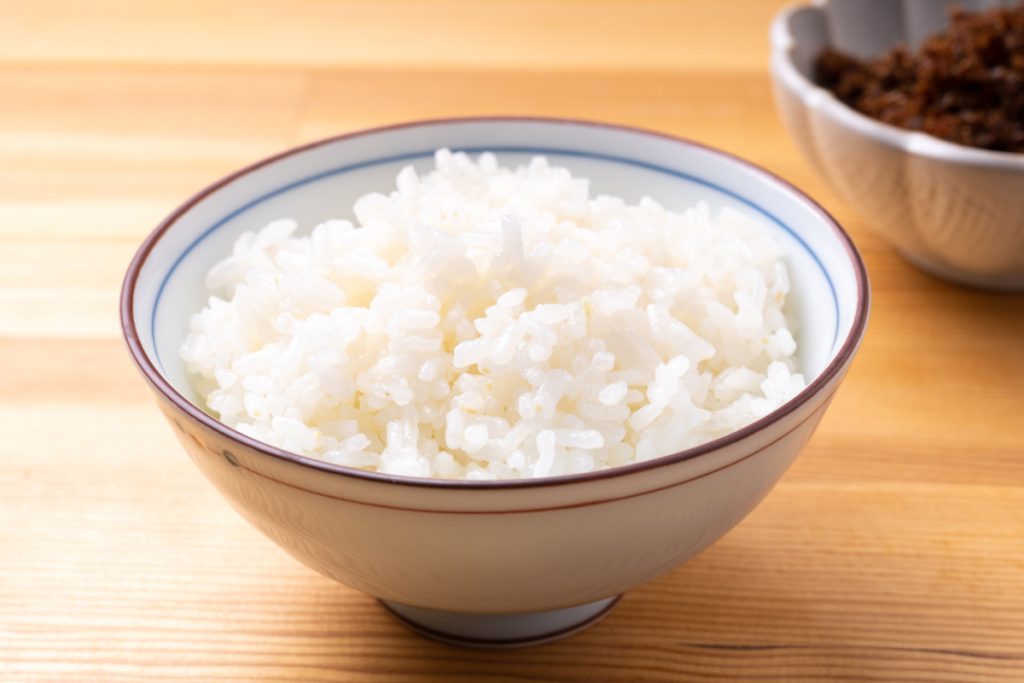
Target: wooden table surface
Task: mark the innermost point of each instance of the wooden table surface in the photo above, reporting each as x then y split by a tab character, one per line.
893	549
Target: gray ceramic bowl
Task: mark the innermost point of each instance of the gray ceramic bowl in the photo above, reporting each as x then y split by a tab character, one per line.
955	211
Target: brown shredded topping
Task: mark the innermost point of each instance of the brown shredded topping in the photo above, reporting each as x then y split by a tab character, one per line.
965	85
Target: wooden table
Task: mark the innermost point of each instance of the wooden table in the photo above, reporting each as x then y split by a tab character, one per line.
893	550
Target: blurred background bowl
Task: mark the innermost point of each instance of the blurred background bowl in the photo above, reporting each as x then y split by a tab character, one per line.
954	211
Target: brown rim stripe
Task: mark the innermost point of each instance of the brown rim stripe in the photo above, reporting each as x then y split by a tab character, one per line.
163	387
449	639
528	510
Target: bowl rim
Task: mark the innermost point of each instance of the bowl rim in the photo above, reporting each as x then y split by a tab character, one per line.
154	377
914	142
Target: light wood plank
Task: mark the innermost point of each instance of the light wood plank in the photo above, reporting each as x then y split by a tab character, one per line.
504	34
890	552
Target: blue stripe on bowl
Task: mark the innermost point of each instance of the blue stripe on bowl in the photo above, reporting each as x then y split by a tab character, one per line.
341	170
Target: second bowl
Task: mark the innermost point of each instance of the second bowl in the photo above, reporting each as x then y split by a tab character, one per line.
954	211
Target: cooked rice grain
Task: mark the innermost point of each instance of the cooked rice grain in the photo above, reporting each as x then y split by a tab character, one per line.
489	323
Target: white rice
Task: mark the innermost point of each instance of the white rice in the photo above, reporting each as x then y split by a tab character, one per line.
488	323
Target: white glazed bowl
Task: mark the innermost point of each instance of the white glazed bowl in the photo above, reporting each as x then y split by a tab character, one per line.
954	211
505	562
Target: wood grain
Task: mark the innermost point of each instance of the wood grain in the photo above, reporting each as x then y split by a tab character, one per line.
891	551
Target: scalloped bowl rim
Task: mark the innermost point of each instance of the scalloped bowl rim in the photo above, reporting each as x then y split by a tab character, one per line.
815	97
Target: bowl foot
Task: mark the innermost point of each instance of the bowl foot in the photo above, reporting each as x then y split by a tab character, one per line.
1013	282
500	630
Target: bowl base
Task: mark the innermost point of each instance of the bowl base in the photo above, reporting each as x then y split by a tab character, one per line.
500	630
1002	283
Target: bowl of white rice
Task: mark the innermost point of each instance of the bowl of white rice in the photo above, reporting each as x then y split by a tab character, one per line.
495	372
